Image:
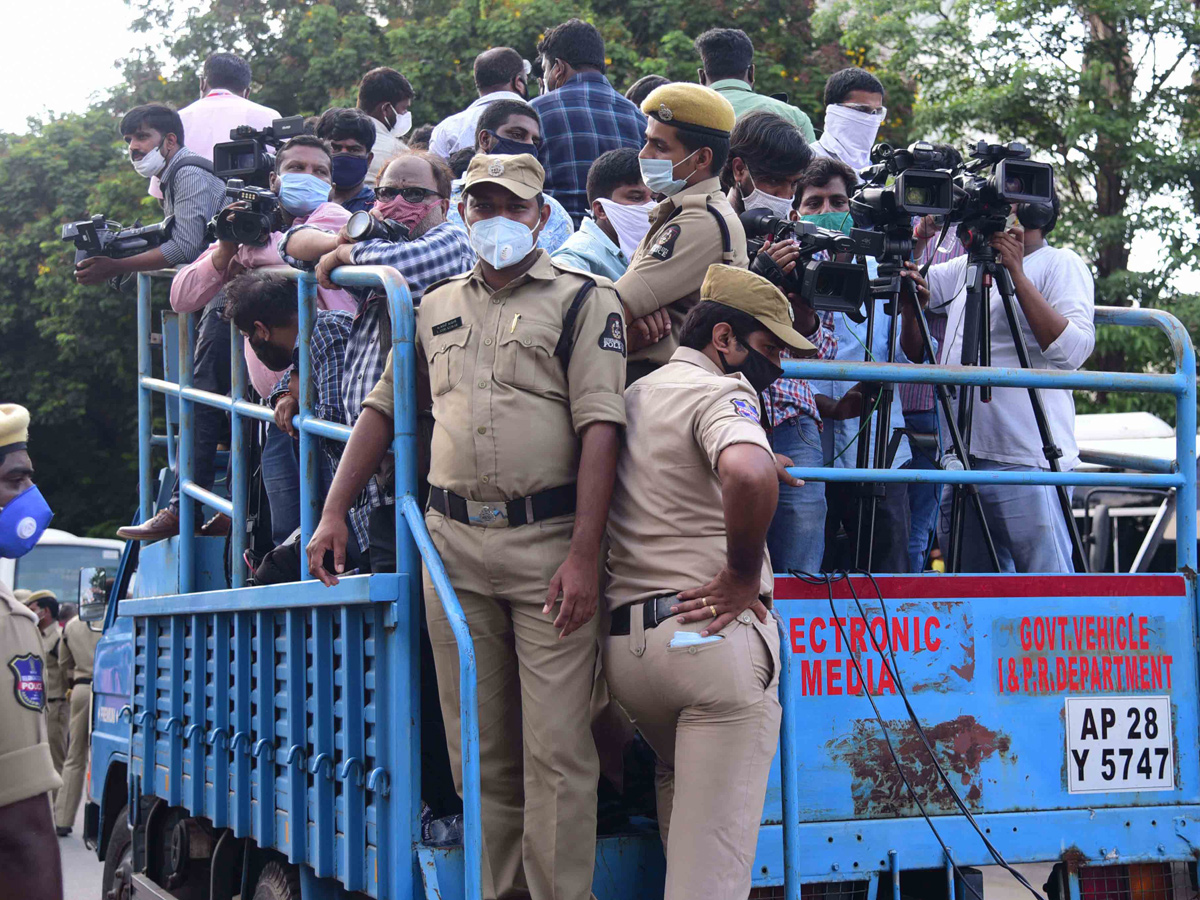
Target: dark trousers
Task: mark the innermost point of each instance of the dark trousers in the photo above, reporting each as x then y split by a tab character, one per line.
210	373
890	551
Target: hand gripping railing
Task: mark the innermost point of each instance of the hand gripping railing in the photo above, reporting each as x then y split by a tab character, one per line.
413	543
1153	473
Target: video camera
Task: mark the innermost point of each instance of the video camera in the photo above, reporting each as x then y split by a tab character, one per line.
251	224
245	156
99	236
822	284
984	200
921	185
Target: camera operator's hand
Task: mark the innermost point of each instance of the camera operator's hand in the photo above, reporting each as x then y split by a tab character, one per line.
853	403
1011	247
926	228
782	464
339	256
786	254
913	273
97	270
646	330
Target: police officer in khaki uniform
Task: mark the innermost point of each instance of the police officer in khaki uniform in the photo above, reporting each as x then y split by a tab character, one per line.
30	866
44	605
687	142
692	654
77	656
526	363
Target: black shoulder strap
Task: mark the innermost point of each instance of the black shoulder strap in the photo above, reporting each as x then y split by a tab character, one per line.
198	161
726	242
566	340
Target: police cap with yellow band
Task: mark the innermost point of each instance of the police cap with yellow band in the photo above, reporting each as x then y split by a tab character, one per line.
690	107
14	427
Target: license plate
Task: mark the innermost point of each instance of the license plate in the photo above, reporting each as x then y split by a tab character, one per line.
1119	744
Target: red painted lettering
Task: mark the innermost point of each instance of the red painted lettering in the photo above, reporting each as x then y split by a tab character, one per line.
858	628
879	632
1143	641
1026	672
1167	660
797	633
810	677
1108	682
900	633
932	643
1043	669
1122	633
818	644
885	681
833	677
1026	636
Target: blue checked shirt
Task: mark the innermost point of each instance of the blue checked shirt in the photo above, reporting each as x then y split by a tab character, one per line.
580	120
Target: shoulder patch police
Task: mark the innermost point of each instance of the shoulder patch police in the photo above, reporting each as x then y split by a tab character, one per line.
613	336
746	410
29	686
664	244
448	325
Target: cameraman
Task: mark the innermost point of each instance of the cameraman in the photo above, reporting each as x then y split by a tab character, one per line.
192	194
351	136
301	177
823	198
1055	306
767	158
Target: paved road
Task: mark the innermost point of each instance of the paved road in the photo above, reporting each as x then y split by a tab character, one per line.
81	870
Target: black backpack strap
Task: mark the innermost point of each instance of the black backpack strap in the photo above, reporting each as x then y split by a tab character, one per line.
566	340
198	162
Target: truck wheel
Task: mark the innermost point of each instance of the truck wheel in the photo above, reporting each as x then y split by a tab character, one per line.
118	860
278	882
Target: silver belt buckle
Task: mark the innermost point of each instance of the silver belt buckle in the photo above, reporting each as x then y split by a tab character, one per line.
487	515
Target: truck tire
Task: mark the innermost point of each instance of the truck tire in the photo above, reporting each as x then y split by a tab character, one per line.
118	860
278	881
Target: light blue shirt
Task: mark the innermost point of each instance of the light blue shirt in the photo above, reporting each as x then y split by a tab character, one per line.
591	250
554	234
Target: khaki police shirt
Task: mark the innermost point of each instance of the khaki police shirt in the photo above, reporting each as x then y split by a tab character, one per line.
77	652
56	685
26	768
670	263
507	417
666	524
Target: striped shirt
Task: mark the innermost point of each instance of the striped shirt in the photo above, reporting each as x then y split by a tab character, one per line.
194	196
789	398
920	397
580	120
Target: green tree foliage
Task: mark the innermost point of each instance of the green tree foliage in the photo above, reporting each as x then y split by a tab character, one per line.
1105	90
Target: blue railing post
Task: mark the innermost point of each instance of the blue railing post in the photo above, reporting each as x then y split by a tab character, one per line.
239	490
144	397
1185	456
789	767
310	470
187	436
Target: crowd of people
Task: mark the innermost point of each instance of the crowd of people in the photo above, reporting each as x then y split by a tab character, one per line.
604	430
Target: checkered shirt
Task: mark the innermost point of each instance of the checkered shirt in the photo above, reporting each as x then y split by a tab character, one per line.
789	398
919	397
580	120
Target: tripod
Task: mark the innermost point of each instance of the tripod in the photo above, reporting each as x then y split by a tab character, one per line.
984	271
894	250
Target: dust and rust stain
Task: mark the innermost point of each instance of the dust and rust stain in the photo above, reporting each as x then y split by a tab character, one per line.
1074	858
961	745
967	670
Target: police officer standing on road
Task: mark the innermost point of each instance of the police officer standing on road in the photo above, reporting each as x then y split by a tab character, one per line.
77	657
44	605
693	654
30	866
526	365
687	142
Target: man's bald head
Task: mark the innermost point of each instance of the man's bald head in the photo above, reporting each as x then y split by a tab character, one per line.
500	69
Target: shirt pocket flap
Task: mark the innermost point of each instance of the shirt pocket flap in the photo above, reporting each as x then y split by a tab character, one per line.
447	354
525	358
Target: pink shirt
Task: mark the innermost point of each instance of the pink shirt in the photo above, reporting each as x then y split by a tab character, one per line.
197	283
209	120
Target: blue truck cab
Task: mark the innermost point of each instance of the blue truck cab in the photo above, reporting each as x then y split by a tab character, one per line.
264	742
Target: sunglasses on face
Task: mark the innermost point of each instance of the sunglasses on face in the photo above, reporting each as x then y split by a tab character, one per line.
410	194
865	108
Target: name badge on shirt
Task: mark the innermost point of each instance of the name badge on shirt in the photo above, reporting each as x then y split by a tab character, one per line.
446	326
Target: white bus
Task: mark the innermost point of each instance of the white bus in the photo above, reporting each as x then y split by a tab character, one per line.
55	562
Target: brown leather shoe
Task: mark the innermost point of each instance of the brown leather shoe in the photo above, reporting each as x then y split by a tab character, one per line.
165	524
218	526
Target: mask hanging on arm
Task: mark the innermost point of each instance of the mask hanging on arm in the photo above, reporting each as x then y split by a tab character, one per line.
22	523
300	193
501	242
850	134
779	207
150	164
659	175
629	221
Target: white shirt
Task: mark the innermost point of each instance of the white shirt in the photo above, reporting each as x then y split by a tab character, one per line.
455	132
1005	429
385	147
209	120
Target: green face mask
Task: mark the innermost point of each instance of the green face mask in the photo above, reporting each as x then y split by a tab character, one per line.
834	221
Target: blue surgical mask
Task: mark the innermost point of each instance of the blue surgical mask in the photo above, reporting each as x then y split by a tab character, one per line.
22	523
502	146
659	175
501	242
301	193
834	221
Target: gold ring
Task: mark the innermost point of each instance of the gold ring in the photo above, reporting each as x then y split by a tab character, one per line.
713	610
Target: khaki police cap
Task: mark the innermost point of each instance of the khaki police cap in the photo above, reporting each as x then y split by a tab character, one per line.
22	595
521	174
690	107
37	595
14	426
755	295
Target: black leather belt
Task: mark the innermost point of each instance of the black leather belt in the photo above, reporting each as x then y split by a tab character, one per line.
56	699
75	681
654	613
558	501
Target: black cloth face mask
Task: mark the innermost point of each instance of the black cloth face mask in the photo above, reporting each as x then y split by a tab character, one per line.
759	371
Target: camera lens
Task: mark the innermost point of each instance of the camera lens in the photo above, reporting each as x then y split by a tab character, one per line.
247	229
361	226
918	195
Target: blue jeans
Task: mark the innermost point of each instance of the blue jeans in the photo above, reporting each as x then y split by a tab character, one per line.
281	477
1026	523
923	499
796	538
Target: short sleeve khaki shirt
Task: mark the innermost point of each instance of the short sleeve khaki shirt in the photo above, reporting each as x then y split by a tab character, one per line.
56	685
26	768
507	414
77	652
670	263
666	524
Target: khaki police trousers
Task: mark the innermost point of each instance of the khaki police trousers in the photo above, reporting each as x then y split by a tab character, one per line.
711	712
58	716
537	761
66	805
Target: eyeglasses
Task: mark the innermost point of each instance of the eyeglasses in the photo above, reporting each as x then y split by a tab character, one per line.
411	194
866	108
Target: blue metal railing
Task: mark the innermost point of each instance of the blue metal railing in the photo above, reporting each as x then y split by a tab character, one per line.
413	543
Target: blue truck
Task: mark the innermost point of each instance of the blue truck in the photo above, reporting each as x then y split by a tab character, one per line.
265	741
